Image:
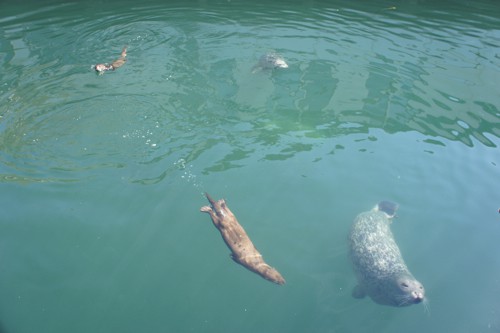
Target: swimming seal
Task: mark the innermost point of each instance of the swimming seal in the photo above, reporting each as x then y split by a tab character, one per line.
242	249
101	68
270	60
379	266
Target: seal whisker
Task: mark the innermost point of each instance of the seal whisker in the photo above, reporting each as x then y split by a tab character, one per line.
404	300
427	307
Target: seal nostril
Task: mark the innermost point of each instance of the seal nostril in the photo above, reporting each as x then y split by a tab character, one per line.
418	296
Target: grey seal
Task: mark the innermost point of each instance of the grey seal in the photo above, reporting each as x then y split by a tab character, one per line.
270	60
379	266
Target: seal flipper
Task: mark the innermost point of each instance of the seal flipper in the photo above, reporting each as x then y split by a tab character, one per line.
358	292
388	207
236	259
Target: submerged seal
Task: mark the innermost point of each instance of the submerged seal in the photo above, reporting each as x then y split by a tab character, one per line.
270	60
242	249
101	68
379	266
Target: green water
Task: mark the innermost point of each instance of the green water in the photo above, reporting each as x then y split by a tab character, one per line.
102	176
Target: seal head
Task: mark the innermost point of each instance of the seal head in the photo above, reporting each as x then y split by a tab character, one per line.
101	68
270	60
398	290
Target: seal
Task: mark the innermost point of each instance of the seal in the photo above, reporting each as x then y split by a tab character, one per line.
379	266
101	68
242	249
270	60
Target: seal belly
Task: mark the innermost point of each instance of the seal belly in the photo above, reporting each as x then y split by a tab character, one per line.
379	266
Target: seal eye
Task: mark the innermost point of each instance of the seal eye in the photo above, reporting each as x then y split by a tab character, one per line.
404	284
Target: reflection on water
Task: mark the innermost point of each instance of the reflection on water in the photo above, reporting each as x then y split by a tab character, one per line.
188	85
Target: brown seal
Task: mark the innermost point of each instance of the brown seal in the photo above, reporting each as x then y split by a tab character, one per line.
242	249
101	68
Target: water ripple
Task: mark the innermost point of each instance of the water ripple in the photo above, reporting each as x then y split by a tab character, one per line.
187	85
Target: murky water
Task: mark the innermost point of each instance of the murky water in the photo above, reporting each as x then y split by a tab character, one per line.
102	175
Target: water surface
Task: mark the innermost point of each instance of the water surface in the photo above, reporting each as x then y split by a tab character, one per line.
102	176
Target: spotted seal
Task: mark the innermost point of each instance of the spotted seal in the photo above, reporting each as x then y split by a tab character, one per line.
270	60
379	266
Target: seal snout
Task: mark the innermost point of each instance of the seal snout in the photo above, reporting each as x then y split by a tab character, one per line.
280	63
417	296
